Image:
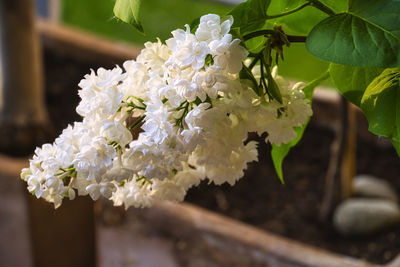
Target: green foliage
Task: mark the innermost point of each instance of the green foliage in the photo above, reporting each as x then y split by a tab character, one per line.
128	11
352	81
381	105
194	25
396	146
368	35
245	74
250	15
336	5
273	88
278	153
255	45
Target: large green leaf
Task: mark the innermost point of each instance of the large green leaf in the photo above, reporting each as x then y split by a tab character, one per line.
368	35
382	13
250	15
278	153
351	82
336	5
381	105
128	11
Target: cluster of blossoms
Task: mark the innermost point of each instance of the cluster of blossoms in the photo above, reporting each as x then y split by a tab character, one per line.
194	113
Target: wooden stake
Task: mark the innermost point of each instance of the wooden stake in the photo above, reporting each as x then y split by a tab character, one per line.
348	166
23	116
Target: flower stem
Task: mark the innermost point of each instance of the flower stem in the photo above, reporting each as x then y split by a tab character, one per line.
257	33
317	4
289	12
296	39
262	79
291	38
253	63
185	107
137	122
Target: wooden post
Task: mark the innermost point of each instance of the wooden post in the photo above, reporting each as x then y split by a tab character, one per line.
23	114
63	237
348	166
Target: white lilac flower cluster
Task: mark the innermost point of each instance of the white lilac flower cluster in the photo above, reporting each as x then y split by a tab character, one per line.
194	113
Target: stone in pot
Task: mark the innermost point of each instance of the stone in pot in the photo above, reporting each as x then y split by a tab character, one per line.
364	216
373	187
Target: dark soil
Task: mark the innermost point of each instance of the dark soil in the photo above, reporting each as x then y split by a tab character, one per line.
62	76
259	198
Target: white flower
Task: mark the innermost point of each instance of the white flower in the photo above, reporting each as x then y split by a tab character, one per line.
158	123
189	91
118	172
94	159
154	56
167	190
135	82
71	193
25	172
114	131
187	51
189	177
211	29
169	92
229	53
100	95
213	81
36	185
104	189
133	193
195	120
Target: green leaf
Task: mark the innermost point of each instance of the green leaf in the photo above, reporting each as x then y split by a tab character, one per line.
381	105
309	88
278	153
245	74
396	146
255	45
128	11
250	15
351	82
336	5
383	13
368	35
194	25
273	88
